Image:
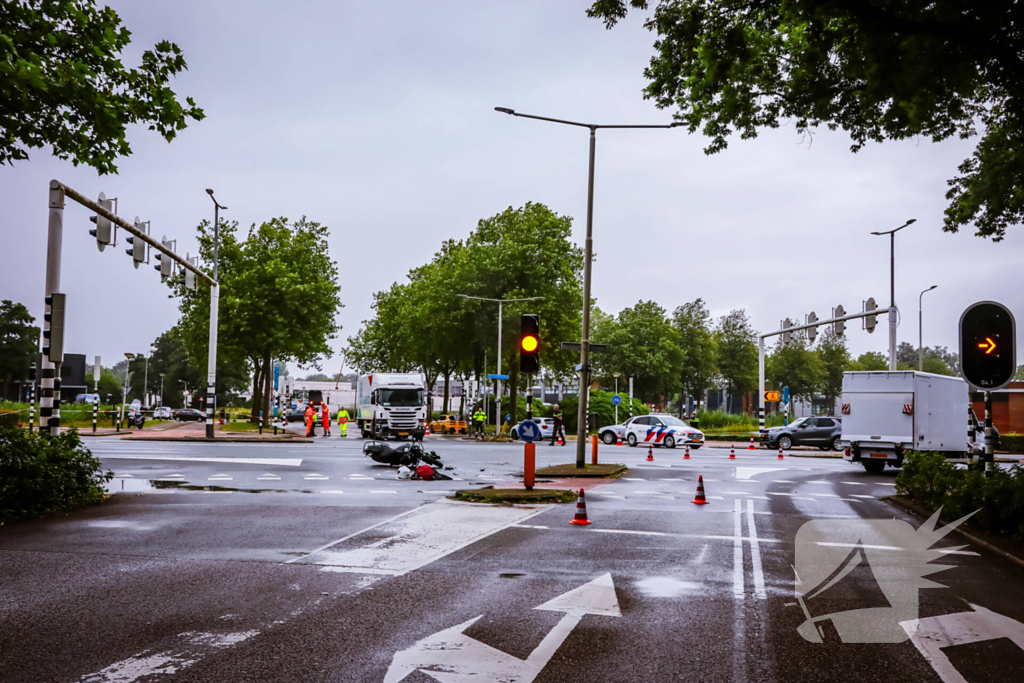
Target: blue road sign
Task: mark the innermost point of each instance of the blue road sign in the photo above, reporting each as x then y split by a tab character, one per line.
616	400
497	376
277	375
528	430
785	394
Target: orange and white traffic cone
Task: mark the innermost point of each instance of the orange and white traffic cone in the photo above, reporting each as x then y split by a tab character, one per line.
686	455
732	451
751	447
780	454
581	510
619	442
426	431
700	499
650	453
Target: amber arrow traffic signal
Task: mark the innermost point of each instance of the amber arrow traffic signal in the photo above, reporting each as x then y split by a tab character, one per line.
987	345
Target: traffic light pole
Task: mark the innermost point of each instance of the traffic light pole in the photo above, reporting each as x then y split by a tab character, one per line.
49	389
989	436
797	328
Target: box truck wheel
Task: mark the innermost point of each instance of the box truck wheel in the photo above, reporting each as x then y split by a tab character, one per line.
874	466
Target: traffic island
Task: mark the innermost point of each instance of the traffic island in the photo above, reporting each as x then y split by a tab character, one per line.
514	496
570	470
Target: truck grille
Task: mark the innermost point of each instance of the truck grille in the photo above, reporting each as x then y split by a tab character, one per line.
403	420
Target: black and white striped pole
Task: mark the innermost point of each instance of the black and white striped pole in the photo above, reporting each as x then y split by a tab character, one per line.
32	397
211	367
49	415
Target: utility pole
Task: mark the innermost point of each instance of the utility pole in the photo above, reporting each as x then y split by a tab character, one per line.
892	289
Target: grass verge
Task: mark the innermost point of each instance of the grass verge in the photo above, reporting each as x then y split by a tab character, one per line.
570	470
512	496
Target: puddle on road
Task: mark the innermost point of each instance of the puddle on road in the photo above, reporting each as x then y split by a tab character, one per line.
666	587
153	485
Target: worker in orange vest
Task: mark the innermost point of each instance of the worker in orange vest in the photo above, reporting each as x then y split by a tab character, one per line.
326	413
310	420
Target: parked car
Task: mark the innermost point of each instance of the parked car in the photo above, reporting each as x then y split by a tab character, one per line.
449	424
296	414
547	425
659	429
86	398
611	434
823	432
163	413
189	415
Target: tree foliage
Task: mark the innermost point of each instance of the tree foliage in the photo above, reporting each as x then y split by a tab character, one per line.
643	345
737	352
835	359
877	70
63	84
697	342
19	341
795	366
278	301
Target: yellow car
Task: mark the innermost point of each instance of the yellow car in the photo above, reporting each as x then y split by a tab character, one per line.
449	424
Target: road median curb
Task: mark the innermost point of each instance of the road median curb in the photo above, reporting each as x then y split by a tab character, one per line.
218	439
570	470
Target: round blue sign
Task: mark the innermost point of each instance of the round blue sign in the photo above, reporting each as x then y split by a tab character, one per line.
616	400
528	430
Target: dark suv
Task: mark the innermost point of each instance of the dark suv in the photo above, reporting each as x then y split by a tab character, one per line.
823	432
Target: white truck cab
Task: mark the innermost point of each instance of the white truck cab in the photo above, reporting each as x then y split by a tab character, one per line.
886	414
392	404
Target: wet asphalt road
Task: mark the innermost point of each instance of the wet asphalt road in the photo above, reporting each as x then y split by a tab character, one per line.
337	567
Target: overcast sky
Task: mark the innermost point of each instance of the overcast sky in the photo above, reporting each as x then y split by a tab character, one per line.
377	120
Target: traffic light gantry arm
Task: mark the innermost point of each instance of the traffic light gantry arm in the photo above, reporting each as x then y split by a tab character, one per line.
128	227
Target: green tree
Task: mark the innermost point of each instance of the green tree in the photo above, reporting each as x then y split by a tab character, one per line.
1019	375
385	341
63	84
877	70
795	366
644	345
19	342
169	356
697	341
278	302
872	360
835	359
737	352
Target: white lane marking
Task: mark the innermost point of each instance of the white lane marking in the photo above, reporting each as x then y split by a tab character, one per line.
703	552
359	476
268	477
174	476
853	483
530	526
450	655
332	491
316	477
818	482
284	462
147	663
633	479
826	495
715	498
755	554
219	477
758	497
748	472
737	552
861	495
779	493
893	547
381	491
406	543
782	481
933	634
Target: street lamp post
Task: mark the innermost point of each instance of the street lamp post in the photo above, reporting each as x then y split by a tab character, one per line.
211	366
497	398
920	332
588	250
892	289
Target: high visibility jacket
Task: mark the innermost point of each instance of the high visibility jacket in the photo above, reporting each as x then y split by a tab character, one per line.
310	414
326	414
342	416
479	416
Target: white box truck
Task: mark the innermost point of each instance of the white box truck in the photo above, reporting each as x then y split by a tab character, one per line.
889	413
392	404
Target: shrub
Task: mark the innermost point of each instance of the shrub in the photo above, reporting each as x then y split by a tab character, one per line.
930	480
41	474
1012	443
10	420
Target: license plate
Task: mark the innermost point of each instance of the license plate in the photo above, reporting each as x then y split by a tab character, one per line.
403	433
878	455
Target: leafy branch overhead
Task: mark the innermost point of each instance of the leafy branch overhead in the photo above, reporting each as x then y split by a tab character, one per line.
876	69
63	84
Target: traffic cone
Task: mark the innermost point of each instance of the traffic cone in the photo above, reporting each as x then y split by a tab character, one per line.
619	442
426	431
751	447
700	499
581	510
780	454
732	451
686	455
650	453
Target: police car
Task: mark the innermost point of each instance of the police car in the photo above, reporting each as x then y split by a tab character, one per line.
662	430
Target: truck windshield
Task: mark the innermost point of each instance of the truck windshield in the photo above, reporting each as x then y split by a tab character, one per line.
401	398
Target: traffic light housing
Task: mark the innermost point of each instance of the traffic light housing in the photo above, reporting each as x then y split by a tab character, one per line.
872	320
138	250
102	230
839	326
786	336
988	347
529	343
812	332
190	277
53	337
165	261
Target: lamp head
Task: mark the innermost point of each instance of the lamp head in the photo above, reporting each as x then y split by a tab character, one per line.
505	110
209	192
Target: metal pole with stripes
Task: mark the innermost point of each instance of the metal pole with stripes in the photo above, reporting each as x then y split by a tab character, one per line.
49	415
211	367
32	397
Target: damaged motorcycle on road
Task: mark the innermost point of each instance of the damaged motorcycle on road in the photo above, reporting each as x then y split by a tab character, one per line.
408	457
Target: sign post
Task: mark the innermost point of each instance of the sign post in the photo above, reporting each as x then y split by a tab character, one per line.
529	431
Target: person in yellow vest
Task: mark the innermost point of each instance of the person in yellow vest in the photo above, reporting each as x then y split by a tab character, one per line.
343	422
479	418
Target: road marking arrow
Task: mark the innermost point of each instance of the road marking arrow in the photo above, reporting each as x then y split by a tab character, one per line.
450	656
